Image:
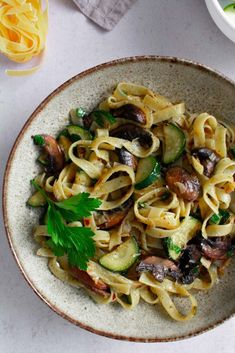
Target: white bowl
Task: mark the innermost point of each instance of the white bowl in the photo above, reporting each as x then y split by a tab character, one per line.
221	19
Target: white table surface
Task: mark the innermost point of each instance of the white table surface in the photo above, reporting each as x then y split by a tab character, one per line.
171	27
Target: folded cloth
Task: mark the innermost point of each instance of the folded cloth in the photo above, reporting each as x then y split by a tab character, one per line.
106	13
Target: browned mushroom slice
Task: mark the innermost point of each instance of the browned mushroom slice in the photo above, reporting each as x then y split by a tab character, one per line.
130	112
208	158
112	218
131	132
127	158
185	185
159	267
98	287
54	157
217	249
189	263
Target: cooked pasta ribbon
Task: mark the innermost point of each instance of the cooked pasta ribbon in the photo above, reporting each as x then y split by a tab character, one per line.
162	291
23	30
158	213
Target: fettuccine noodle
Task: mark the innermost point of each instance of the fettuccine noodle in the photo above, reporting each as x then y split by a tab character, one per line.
23	30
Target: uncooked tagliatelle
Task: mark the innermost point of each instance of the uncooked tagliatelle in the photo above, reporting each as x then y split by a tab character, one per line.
164	222
23	29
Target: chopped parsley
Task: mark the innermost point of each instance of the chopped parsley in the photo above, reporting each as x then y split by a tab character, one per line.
220	218
80	112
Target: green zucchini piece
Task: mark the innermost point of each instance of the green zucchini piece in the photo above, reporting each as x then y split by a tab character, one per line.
148	171
78	133
37	200
63	132
121	258
174	143
177	242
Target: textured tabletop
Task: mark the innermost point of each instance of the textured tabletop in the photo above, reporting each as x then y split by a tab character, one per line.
180	28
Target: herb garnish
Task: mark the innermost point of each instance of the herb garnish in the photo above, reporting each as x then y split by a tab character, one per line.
171	246
220	218
80	112
76	242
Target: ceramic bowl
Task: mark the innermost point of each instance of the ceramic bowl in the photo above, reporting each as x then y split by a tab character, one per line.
221	18
203	90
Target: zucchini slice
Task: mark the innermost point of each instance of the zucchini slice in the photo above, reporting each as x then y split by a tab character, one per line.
177	242
148	171
174	143
122	257
37	200
78	133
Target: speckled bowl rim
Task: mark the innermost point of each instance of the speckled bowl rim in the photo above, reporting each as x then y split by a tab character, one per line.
41	106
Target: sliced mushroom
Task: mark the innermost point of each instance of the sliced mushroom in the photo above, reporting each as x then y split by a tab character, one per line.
99	287
189	264
216	249
208	158
127	158
131	132
159	267
53	155
112	218
130	112
185	185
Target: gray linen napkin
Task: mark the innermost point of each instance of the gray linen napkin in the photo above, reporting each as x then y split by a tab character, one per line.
106	13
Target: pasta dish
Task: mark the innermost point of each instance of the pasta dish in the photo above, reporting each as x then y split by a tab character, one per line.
137	200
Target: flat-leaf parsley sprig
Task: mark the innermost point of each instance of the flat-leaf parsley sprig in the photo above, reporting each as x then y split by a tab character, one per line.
76	242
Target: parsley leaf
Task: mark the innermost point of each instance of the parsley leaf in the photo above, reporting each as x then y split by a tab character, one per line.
76	242
77	207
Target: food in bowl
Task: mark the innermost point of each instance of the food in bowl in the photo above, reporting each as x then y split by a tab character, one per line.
137	200
229	9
